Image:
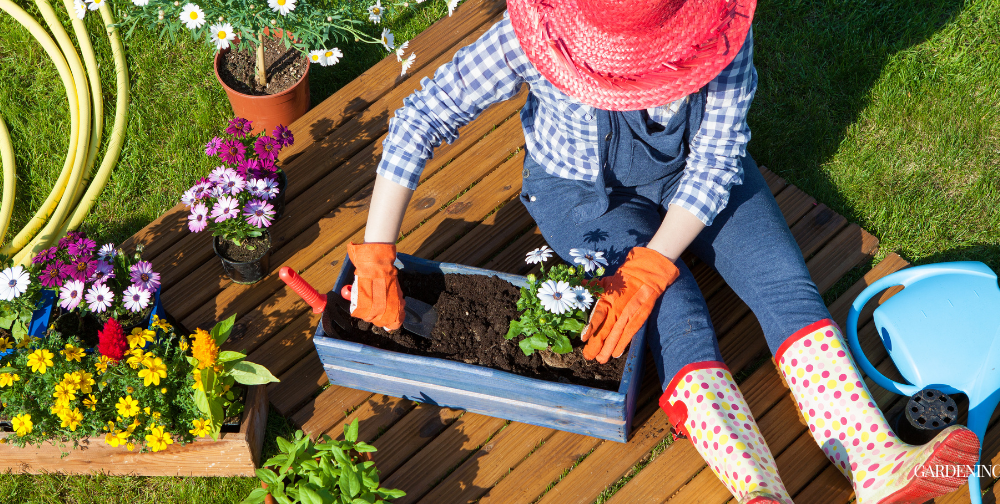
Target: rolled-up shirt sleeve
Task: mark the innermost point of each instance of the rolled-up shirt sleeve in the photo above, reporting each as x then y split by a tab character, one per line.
481	74
713	165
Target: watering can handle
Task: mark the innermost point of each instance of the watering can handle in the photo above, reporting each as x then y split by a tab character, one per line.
905	278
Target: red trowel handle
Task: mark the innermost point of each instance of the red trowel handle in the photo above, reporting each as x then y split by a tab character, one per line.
316	300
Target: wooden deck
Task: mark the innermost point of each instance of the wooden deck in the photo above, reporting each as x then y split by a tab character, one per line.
466	211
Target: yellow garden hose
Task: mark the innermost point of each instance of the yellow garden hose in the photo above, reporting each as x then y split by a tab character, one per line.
97	98
9	179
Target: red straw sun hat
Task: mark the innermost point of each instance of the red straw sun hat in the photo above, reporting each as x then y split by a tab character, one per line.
630	54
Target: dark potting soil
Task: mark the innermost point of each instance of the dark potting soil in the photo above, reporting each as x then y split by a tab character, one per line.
250	250
130	320
84	327
474	313
284	67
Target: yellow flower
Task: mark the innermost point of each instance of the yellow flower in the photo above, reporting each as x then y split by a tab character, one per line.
204	349
90	402
160	323
129	446
129	389
136	358
72	419
25	342
139	337
158	440
163	390
7	379
201	428
156	415
146	410
72	353
71	381
155	370
86	381
22	424
183	345
64	393
102	364
127	407
197	381
40	360
110	427
116	438
60	408
135	423
5	344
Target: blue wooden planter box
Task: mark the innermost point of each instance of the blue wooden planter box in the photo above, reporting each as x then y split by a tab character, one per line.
574	408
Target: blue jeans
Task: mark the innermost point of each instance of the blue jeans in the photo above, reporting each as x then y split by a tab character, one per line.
748	243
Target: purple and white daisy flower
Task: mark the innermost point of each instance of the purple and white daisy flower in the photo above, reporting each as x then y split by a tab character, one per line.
581	297
218	172
539	255
213	146
99	298
239	127
83	246
232	183
107	252
283	135
198	219
53	275
81	268
189	197
556	297
225	208
259	213
13	282
135	298
590	259
265	188
144	276
70	294
202	188
267	148
232	152
102	272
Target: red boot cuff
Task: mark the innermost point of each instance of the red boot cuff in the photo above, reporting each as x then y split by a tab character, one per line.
677	412
801	333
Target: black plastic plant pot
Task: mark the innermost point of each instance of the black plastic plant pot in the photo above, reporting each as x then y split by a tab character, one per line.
246	272
279	200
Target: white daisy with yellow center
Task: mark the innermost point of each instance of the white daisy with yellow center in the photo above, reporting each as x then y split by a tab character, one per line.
400	49
407	63
282	7
317	56
375	12
140	3
80	8
192	16
222	35
388	39
94	4
332	56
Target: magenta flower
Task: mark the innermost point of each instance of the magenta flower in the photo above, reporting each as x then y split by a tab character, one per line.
265	168
81	268
213	146
107	252
144	276
232	182
225	208
265	188
283	135
259	213
71	294
239	127
202	189
102	272
136	298
83	246
99	298
44	256
71	237
198	218
216	176
267	148
232	152
53	275
247	166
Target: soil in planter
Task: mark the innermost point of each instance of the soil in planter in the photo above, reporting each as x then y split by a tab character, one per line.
244	252
284	67
130	320
474	312
84	327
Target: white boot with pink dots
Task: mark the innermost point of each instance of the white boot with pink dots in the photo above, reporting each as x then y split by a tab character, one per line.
843	418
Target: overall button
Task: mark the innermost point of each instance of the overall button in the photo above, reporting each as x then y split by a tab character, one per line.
532	199
608	137
525	173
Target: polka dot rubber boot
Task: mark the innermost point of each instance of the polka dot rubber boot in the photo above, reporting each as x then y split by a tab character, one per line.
705	406
843	418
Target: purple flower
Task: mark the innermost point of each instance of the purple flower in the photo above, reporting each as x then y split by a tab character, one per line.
232	152
267	148
44	256
102	272
81	268
144	276
213	146
265	168
239	127
232	183
283	135
53	275
136	298
83	246
99	298
259	213
71	294
71	237
189	197
246	166
202	189
198	218
216	176
107	252
265	188
225	208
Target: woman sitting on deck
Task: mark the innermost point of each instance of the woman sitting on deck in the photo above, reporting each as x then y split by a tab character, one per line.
636	133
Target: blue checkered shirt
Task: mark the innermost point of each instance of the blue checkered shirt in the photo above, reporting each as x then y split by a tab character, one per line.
559	131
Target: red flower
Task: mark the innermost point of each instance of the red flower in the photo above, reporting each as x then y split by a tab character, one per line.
112	343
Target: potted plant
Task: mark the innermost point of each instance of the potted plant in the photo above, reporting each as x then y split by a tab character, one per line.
263	71
325	471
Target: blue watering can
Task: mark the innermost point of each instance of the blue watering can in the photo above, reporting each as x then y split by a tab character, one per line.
942	331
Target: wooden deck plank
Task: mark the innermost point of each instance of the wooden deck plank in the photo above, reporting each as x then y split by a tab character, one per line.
376	414
774	182
794	203
297	385
829	487
329	409
410	434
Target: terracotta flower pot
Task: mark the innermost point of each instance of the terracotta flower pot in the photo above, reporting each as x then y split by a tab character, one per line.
267	498
268	111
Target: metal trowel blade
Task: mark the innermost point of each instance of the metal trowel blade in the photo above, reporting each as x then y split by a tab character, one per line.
420	317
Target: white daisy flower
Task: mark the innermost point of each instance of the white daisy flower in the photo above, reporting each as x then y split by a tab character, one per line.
80	8
400	49
94	4
556	297
388	39
222	35
408	63
13	282
451	6
136	298
99	298
282	7
71	293
375	12
540	254
332	56
140	3
582	298
590	259
317	56
107	252
192	16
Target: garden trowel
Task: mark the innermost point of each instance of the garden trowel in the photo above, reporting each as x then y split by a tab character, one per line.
420	316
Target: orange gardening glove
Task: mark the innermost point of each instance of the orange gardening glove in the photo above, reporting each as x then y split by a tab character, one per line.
627	301
376	296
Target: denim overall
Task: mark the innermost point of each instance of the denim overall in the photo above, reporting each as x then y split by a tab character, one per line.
748	243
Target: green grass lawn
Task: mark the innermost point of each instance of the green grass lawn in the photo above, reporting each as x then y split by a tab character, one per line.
885	110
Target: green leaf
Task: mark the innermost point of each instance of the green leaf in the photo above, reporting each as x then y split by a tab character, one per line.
391	493
349	483
308	495
255	497
572	325
222	330
526	346
363	447
351	431
515	329
538	342
561	345
250	373
227	356
201	401
267	476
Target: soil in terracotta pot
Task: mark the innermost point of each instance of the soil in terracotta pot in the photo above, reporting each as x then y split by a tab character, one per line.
84	327
284	67
474	312
250	250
